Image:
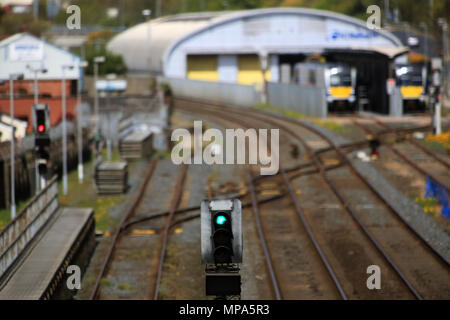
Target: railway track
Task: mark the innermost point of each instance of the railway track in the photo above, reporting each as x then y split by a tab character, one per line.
165	237
116	237
156	261
314	255
373	234
439	175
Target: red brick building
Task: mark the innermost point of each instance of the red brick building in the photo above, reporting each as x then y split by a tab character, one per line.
49	93
22	109
28	55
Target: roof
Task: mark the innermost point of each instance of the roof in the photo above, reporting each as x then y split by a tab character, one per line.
44	54
162	32
169	32
389	52
427	42
15	3
6	119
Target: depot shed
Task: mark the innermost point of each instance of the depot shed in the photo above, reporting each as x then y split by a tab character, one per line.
230	46
221	45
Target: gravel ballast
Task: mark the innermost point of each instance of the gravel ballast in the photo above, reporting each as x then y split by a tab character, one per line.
410	211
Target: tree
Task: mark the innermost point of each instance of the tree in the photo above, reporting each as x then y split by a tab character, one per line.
96	46
15	23
113	63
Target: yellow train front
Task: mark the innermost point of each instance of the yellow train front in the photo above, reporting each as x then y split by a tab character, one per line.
411	78
340	81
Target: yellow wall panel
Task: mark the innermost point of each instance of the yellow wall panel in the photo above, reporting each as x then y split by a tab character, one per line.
249	70
202	67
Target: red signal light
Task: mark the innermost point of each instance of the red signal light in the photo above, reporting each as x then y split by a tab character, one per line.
41	128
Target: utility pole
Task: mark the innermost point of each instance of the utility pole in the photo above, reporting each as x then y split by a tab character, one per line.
147	13
64	128
13	187
97	60
264	62
13	77
386	12
36	9
158	8
444	83
122	14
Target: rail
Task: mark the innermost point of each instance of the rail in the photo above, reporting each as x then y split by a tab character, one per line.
21	231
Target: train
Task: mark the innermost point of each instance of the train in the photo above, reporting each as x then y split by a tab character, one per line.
339	80
412	80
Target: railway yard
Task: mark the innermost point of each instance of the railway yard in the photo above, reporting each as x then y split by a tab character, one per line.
305	157
310	232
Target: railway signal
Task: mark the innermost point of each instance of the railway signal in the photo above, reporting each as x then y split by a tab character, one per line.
221	238
221	231
41	126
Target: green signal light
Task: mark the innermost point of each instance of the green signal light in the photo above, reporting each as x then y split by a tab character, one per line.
220	220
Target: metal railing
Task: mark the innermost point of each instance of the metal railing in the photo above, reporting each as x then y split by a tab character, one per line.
19	233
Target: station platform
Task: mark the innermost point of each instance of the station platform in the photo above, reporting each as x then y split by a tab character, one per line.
42	272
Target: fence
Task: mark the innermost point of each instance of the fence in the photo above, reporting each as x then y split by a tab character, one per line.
18	234
231	93
309	101
396	103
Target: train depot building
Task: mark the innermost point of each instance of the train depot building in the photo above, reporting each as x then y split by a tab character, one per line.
23	53
239	47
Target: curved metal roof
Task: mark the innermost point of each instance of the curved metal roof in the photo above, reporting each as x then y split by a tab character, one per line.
132	43
168	33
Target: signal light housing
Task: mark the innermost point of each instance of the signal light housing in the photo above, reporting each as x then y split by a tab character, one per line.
41	125
41	119
221	231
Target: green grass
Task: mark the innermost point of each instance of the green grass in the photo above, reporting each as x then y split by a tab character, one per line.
287	113
428	204
163	154
105	282
331	125
445	112
327	124
84	195
137	255
5	214
115	156
125	286
81	195
436	146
